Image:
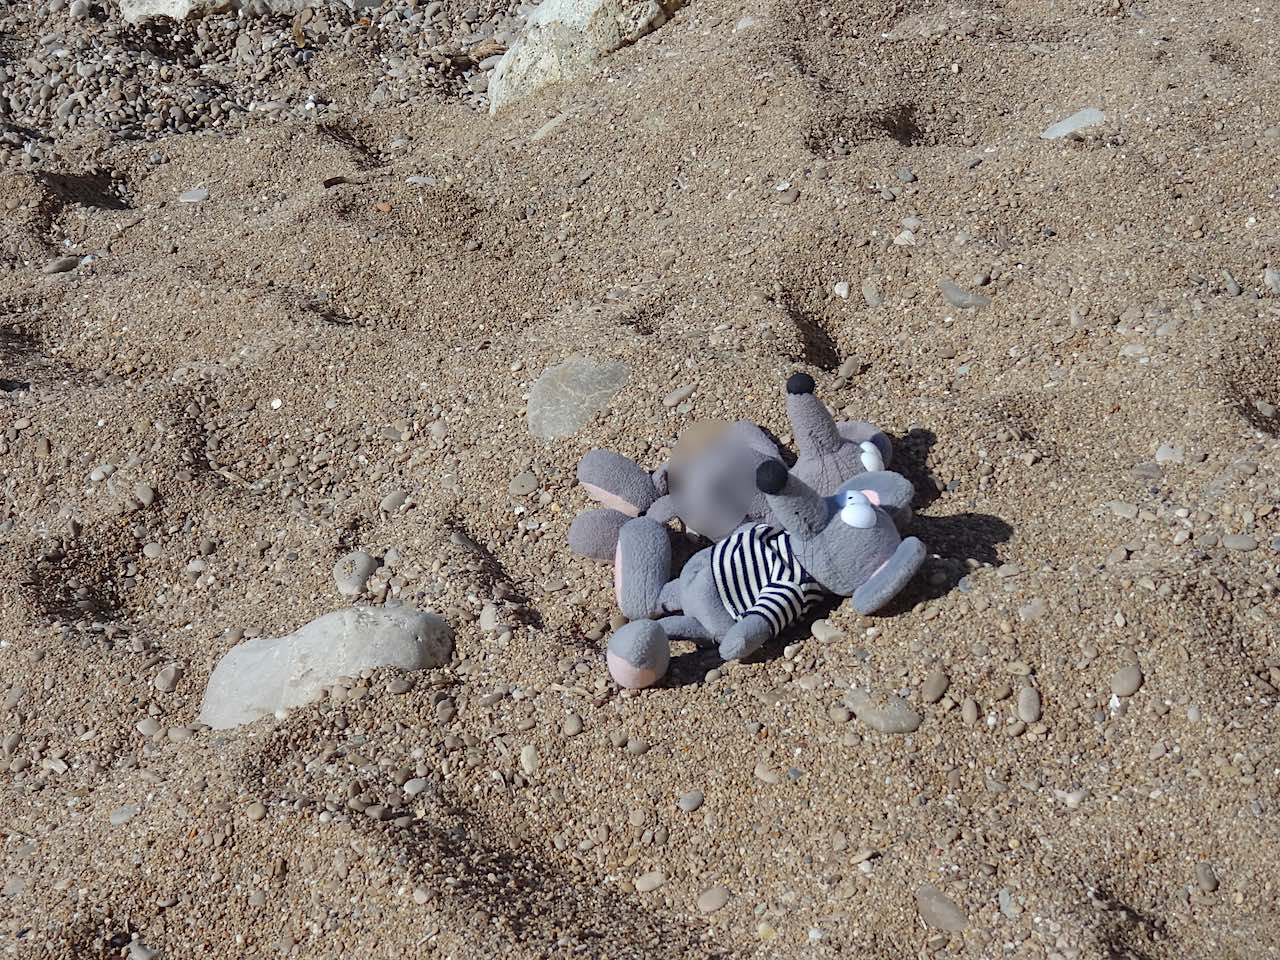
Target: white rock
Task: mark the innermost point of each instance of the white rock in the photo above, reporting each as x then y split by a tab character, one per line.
564	37
268	674
1088	117
352	572
136	11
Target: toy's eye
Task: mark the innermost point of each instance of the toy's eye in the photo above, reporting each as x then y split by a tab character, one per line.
861	515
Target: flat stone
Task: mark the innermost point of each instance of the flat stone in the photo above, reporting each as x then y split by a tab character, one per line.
267	675
648	882
679	395
523	484
1126	681
569	394
122	815
886	713
352	572
1028	704
1206	879
690	801
712	899
935	685
1239	541
61	265
1080	120
958	297
194	195
938	910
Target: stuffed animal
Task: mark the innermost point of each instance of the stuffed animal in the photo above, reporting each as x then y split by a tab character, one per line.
709	484
749	587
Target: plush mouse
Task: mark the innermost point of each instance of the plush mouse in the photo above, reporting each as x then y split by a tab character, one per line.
747	588
709	483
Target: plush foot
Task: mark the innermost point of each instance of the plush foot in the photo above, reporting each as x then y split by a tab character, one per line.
641	567
893	575
745	637
594	533
615	481
638	654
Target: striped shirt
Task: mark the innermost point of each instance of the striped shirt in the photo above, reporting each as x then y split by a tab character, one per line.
757	573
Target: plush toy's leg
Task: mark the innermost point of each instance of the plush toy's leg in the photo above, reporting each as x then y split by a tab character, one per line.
860	432
638	654
662	509
892	576
745	637
594	533
688	628
616	481
642	567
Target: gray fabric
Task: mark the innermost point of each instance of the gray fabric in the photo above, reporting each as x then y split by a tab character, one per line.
644	556
620	476
887	582
594	533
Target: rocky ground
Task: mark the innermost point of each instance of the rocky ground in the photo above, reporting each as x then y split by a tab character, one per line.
277	288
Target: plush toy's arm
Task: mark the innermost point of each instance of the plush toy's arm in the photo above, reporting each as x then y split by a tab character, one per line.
663	509
745	637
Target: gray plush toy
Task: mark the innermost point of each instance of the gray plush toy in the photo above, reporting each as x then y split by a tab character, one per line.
712	490
747	588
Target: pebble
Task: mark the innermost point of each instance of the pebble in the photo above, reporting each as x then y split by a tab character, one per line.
1125	511
393	501
690	801
679	395
841	290
122	815
569	394
194	195
969	710
935	685
648	882
712	899
871	294
166	681
144	494
1271	279
906	175
1239	541
523	484
825	631
1080	120
415	786
148	727
256	811
398	686
1232	284
887	714
1029	705
529	760
938	910
1167	453
61	265
352	572
1126	681
766	774
572	725
1205	877
961	298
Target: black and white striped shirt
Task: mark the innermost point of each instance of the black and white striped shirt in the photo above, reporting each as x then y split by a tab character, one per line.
757	573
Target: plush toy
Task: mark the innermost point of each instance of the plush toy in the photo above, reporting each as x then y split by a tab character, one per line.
709	484
749	587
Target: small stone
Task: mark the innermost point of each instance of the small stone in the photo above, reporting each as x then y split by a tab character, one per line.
1271	279
636	747
1125	511
1167	453
1205	877
1081	119
166	680
871	294
906	175
393	501
938	910
712	899
1239	541
61	265
1231	284
523	484
648	882
194	195
841	290
415	786
766	774
887	714
1028	704
256	811
935	685
144	494
961	298
148	727
352	572
529	760
690	801
1126	681
825	631
398	686
122	815
572	725
679	395
969	710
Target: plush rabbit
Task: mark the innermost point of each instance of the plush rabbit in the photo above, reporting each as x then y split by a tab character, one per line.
712	489
750	586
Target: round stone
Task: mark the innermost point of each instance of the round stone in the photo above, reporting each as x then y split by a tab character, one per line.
712	899
1126	681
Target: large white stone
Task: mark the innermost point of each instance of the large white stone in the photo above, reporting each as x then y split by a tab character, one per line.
268	674
564	37
136	11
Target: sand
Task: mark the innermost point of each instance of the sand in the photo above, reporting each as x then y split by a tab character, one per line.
1094	449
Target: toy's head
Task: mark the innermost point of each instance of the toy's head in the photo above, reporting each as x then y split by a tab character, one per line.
841	540
711	484
827	457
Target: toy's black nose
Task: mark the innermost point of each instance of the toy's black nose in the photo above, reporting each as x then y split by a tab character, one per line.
771	476
800	383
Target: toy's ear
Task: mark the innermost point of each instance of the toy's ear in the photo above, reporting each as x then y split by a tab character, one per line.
891	492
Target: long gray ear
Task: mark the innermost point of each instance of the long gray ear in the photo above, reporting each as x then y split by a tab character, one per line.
801	511
814	430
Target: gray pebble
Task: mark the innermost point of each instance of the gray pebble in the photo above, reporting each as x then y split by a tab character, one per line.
935	685
572	725
1029	705
691	801
906	175
1205	877
144	494
888	714
679	395
352	572
871	294
148	727
961	298
648	882
122	815
1239	541
529	762
523	484
194	195
399	686
1126	681
938	910
61	265
166	681
1233	286
393	501
969	710
712	899
415	786
1271	278
256	811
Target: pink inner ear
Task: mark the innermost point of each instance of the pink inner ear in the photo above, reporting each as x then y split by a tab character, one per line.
607	499
872	496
